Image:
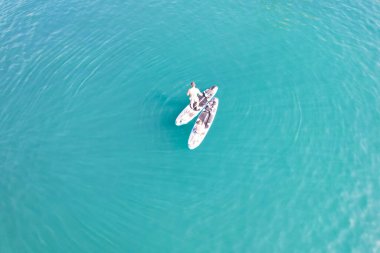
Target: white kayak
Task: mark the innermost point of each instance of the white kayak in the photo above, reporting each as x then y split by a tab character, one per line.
190	113
203	124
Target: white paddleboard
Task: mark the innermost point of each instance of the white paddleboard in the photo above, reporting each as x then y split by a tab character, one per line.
189	113
203	124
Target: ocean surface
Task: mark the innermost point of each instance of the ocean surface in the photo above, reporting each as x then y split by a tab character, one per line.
91	160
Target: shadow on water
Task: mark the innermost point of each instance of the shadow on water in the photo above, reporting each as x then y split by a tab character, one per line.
164	108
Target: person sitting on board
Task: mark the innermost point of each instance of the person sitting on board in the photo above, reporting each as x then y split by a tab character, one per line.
193	94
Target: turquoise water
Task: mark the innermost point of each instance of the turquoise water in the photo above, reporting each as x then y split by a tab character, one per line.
90	158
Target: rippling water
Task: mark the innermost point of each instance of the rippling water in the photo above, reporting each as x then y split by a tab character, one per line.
91	160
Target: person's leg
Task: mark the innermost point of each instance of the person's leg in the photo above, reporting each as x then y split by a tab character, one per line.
194	103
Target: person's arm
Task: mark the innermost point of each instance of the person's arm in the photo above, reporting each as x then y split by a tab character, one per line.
187	93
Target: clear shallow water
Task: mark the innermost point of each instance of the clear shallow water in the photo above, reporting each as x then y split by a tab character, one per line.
91	160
